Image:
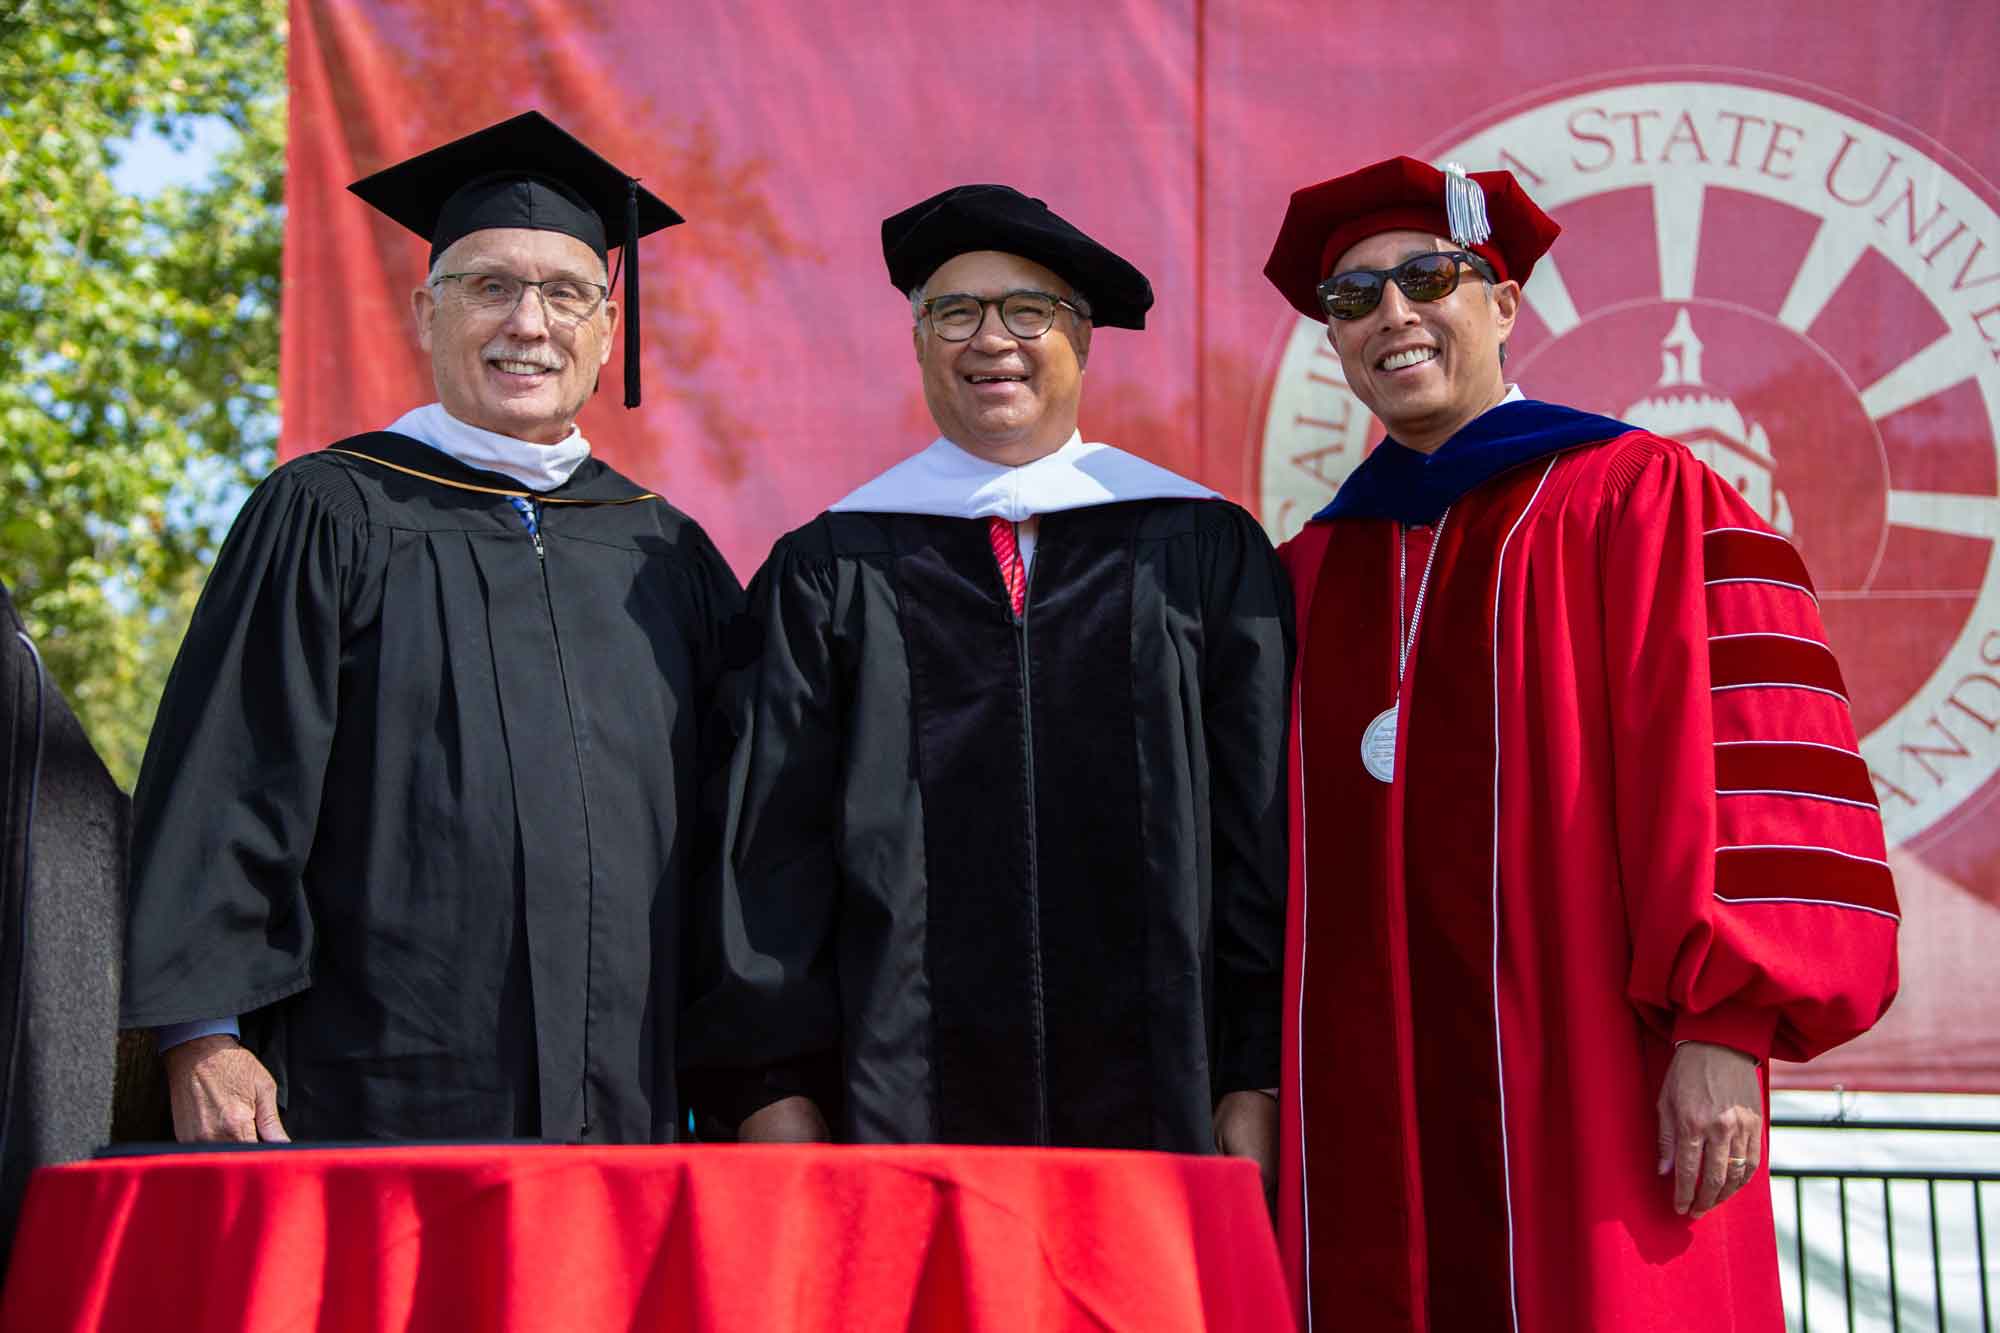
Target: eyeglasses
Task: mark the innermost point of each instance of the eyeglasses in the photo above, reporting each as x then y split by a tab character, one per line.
568	300
1430	277
957	316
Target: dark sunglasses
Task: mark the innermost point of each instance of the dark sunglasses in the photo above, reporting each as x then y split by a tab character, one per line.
1430	277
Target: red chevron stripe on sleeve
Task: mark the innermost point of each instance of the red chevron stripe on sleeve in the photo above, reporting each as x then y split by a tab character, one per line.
1798	768
1740	661
1772	874
1745	555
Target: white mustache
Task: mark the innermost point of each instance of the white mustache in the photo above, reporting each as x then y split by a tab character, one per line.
534	356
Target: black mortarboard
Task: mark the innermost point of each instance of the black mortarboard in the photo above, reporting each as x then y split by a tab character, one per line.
525	172
918	240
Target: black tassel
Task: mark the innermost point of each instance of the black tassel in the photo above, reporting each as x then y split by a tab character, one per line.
631	258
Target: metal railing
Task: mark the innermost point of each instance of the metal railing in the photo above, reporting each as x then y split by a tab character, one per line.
1908	1247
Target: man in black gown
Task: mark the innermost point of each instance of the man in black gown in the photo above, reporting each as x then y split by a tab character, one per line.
1006	835
415	824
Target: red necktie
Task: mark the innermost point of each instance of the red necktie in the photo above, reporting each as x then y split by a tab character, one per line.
1007	550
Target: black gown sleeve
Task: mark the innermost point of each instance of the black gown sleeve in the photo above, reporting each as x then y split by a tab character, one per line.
726	644
1246	696
230	789
764	1023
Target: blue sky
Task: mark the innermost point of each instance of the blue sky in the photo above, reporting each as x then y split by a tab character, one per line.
148	163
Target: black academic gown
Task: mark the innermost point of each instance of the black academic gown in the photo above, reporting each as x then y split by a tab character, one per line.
421	800
999	880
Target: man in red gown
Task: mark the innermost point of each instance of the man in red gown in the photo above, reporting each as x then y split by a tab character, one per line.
1581	837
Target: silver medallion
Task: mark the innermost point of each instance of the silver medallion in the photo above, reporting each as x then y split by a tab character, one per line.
1378	745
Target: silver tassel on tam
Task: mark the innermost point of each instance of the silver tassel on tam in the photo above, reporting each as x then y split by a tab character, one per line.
1464	206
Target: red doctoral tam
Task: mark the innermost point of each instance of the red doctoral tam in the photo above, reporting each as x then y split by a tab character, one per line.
1496	221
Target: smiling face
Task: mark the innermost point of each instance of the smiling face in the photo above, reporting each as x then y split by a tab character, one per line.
1008	400
515	372
1424	367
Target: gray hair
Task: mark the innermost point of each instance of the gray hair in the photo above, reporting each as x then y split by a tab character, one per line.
1488	283
1489	296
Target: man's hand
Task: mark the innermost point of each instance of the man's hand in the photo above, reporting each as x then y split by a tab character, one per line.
1711	1124
1246	1125
221	1093
793	1120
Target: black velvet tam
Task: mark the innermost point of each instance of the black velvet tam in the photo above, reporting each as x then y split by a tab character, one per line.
918	240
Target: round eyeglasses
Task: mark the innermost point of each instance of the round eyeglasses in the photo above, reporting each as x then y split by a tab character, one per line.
1428	277
568	300
956	316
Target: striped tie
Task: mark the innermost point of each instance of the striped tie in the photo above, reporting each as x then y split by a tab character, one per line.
1007	550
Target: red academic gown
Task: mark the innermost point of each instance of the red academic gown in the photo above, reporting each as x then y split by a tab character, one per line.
1627	811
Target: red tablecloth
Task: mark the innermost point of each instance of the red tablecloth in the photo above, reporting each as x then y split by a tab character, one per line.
711	1238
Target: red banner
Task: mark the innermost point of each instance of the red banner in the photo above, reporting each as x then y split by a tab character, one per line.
1782	245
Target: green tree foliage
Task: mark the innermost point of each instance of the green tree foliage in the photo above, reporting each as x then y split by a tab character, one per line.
138	337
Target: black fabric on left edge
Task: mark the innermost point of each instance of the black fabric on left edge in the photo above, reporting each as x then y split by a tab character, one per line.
63	830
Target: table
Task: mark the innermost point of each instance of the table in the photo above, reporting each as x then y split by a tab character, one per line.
711	1238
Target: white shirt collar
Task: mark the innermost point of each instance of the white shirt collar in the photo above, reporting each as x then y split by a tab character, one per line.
947	481
539	467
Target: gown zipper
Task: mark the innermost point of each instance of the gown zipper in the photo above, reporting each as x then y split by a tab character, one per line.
531	516
1037	1012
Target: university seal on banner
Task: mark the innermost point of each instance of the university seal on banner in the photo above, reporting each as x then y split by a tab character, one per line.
1807	294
